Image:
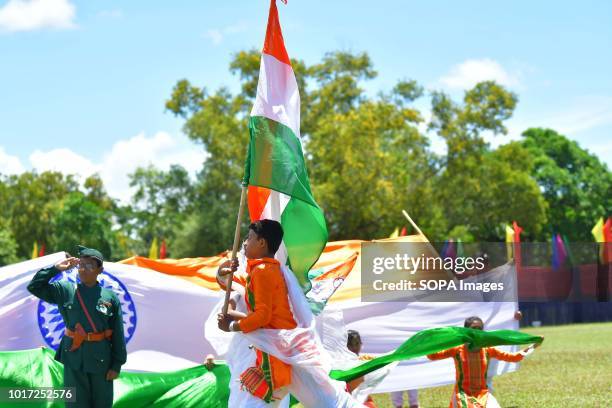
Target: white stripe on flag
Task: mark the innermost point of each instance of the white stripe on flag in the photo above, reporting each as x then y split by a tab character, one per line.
273	210
278	97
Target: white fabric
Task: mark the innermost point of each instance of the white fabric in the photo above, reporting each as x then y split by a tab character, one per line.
170	313
278	97
299	347
371	381
169	304
385	326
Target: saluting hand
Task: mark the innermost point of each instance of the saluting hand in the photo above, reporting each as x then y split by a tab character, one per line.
111	375
67	263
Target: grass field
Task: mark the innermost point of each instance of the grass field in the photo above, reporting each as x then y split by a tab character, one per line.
573	368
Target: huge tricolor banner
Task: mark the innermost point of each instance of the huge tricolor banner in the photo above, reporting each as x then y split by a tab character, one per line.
275	170
166	303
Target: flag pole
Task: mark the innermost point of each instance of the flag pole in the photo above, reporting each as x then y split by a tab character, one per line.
419	231
431	247
413	224
228	286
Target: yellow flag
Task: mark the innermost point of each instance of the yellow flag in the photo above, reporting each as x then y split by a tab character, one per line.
509	241
598	231
35	250
153	252
395	233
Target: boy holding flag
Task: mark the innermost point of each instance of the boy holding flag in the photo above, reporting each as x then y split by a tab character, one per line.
267	303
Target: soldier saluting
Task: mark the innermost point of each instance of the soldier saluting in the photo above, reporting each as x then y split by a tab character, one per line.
93	346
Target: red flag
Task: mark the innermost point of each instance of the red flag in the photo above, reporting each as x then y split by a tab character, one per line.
607	233
517	231
41	252
517	244
162	250
403	232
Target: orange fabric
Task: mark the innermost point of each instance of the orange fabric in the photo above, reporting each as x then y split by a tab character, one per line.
267	290
274	44
440	355
257	199
340	261
201	271
79	335
471	372
504	356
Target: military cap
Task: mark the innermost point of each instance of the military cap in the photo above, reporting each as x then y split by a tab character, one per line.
89	252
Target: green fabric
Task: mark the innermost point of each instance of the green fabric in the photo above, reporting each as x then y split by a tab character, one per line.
433	340
275	160
305	236
91	390
89	252
198	387
192	387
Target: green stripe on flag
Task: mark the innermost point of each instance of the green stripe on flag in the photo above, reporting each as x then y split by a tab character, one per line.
191	387
275	160
305	238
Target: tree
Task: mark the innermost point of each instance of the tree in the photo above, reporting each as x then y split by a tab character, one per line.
479	188
29	201
8	246
373	143
574	182
96	193
78	221
161	201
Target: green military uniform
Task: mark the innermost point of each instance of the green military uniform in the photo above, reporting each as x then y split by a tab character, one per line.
85	368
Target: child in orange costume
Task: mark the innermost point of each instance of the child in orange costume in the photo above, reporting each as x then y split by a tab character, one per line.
267	304
471	389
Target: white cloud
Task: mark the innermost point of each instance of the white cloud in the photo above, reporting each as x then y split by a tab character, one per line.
161	150
30	15
216	35
10	164
62	160
470	72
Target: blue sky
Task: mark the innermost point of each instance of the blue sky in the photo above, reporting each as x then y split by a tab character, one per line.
83	83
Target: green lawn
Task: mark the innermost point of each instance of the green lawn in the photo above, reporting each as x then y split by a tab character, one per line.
573	368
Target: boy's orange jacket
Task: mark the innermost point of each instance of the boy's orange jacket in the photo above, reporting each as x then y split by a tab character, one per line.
268	305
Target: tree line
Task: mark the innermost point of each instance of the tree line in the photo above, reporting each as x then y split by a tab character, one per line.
368	158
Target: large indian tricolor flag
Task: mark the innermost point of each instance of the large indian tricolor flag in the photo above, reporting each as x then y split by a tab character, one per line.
176	296
275	170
